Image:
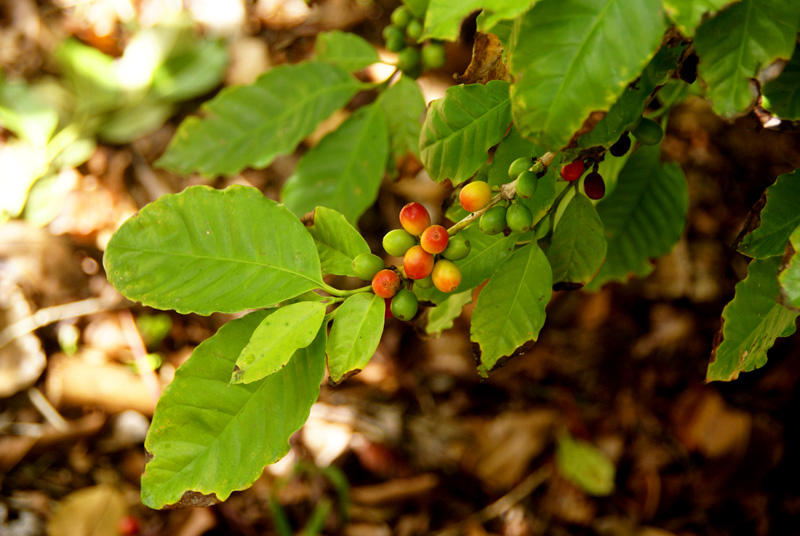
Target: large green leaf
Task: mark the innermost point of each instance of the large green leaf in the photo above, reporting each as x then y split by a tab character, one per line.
585	465
461	127
578	246
404	107
738	41
338	242
205	250
511	307
251	125
643	217
275	340
571	57
687	14
344	170
782	95
751	322
779	217
790	275
442	316
349	51
211	437
355	334
443	18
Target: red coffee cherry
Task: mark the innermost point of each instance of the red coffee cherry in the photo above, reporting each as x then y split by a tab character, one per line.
572	171
414	218
434	239
475	195
446	276
386	283
417	263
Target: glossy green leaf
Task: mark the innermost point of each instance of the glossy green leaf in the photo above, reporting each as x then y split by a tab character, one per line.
511	307
687	14
779	217
512	147
338	242
443	315
789	277
205	250
573	57
643	217
355	334
782	95
751	322
276	339
211	437
578	246
585	465
404	107
461	127
344	170
347	50
443	17
734	44
248	126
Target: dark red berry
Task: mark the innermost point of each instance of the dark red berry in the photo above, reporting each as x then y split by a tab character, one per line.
594	186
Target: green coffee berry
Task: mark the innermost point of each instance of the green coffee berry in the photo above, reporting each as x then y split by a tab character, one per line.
493	221
648	132
404	305
414	29
518	217
425	282
518	166
408	59
457	248
366	265
397	241
401	16
433	56
526	183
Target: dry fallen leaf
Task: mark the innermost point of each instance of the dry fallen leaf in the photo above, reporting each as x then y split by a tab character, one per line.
94	511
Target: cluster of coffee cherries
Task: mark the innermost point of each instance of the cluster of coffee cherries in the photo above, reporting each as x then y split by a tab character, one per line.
428	252
402	36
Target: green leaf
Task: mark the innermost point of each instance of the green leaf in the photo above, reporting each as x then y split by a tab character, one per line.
355	334
593	50
578	246
511	148
542	199
511	307
779	217
338	242
344	170
284	331
442	316
461	127
211	437
192	71
751	322
443	17
251	125
91	76
585	465
134	121
417	7
404	106
687	14
790	275
347	50
205	250
643	217
737	42
782	95
26	113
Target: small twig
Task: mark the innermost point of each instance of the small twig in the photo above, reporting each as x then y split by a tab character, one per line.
50	414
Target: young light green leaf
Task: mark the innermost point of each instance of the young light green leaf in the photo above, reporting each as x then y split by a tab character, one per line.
461	127
26	113
736	42
210	437
442	316
779	217
349	51
587	42
578	246
205	250
134	120
511	148
191	70
643	217
275	340
355	334
344	170
404	107
789	277
585	465
687	14
338	242
511	307
781	96
751	322
91	76
251	125
443	17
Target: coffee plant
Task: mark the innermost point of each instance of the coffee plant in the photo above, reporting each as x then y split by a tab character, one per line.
552	142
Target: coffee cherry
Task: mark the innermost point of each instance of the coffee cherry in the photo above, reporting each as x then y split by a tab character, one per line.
526	183
408	60
518	166
414	218
518	217
648	132
128	526
385	283
393	32
688	69
457	248
397	241
593	186
404	305
621	146
433	56
401	17
434	239
417	263
414	29
446	276
475	195
425	282
493	220
395	43
366	265
572	171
